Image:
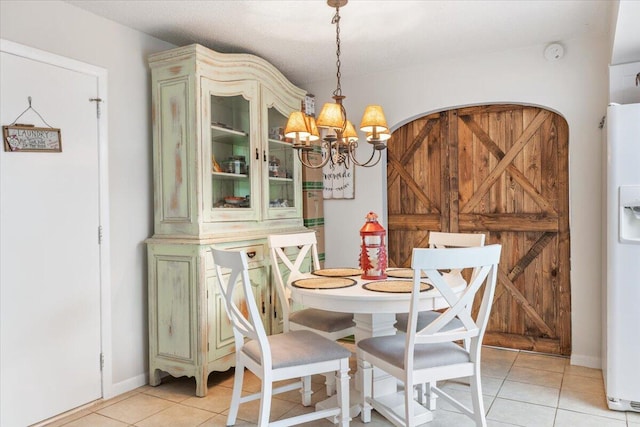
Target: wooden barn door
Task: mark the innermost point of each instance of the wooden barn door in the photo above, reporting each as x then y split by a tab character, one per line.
501	170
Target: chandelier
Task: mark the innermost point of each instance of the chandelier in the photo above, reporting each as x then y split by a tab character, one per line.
339	148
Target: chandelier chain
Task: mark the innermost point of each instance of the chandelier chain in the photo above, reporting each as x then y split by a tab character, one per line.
336	21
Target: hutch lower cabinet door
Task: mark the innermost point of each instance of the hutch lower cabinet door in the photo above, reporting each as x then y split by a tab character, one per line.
189	332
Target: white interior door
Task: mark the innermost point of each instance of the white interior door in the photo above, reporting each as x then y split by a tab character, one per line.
49	255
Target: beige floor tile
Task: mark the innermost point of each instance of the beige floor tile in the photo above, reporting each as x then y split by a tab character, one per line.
541	362
135	408
249	411
496	369
575	382
96	420
521	413
299	410
490	385
583	371
464	397
174	389
177	416
216	421
535	376
494	354
566	418
124	396
587	403
217	400
633	417
530	393
63	419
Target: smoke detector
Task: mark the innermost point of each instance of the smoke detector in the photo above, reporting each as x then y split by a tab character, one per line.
554	52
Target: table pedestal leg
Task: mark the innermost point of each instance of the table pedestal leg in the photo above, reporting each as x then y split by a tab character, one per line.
368	325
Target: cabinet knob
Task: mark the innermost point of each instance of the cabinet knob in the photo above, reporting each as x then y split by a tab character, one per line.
257	154
251	254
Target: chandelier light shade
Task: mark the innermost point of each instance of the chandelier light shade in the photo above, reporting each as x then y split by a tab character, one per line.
332	116
339	148
373	120
296	127
349	133
312	128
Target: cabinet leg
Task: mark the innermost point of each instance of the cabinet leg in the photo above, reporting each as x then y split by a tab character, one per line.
154	377
201	384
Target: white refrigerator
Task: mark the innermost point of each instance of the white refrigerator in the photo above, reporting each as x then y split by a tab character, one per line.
621	263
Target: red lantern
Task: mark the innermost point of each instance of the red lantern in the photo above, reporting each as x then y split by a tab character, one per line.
373	254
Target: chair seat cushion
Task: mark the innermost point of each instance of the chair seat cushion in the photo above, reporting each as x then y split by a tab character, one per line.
297	348
424	318
321	320
390	348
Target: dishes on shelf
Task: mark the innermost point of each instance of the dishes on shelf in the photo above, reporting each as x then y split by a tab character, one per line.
234	200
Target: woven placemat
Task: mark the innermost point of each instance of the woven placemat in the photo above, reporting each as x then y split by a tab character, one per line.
395	286
402	273
323	283
337	272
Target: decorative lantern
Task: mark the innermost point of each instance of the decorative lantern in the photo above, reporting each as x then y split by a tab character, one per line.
373	254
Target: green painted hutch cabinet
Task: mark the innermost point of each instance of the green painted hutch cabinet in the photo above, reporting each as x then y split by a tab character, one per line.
224	177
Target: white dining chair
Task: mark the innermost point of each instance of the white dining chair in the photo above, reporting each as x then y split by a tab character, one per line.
296	354
425	356
329	324
438	239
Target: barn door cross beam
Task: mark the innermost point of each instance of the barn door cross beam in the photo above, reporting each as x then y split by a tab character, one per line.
504	163
517	175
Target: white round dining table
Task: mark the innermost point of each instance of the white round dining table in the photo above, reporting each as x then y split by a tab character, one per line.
373	312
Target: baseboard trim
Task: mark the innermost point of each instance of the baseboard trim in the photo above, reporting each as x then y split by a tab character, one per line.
127	385
587	361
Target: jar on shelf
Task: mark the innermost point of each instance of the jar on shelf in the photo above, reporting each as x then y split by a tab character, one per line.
274	167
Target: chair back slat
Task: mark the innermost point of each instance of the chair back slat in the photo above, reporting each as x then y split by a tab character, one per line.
281	264
484	260
232	272
441	240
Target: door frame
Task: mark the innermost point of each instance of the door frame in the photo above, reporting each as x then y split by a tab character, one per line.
101	74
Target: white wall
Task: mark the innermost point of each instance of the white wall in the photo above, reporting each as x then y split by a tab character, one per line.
575	87
60	28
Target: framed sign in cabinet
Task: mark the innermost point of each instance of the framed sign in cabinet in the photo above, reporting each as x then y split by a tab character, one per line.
224	177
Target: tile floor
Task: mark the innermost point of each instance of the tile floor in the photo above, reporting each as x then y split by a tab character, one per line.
520	389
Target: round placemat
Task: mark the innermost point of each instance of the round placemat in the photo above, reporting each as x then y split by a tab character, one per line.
395	286
402	273
337	272
323	283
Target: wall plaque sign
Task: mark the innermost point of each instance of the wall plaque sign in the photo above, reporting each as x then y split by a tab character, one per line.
21	137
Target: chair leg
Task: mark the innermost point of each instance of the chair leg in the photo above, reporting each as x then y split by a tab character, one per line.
265	400
408	404
366	386
476	399
429	397
235	395
306	391
330	382
342	391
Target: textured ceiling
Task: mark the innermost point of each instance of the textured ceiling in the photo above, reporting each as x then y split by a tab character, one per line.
297	36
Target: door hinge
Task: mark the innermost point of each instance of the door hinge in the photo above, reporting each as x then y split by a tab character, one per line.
101	361
97	101
99	234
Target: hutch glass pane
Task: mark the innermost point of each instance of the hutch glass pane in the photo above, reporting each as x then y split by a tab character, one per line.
230	151
281	157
